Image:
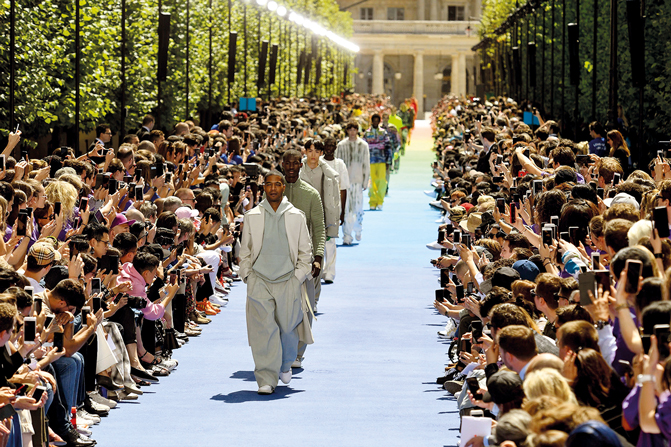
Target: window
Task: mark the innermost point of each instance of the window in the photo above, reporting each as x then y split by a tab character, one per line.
455	13
366	13
395	13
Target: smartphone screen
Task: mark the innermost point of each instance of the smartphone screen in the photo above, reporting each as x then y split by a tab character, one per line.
513	213
29	290
634	267
470	287
114	264
444	278
138	193
83	204
440	295
2	162
661	218
573	236
596	260
39	390
547	236
460	292
95	286
48	321
38	305
501	205
112	186
441	236
57	208
456	236
586	283
58	340
616	179
97	303
473	387
29	332
22	223
662	333
86	310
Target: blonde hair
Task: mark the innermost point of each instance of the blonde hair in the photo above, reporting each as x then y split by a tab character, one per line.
548	382
486	203
64	192
74	180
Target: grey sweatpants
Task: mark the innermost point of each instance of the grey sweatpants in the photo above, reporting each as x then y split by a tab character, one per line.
310	287
273	313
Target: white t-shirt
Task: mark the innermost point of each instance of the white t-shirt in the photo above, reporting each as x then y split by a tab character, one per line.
339	166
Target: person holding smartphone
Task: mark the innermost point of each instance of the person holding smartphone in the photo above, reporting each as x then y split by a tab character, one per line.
38	263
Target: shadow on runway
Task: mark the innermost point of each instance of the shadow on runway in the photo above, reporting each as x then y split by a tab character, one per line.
237	397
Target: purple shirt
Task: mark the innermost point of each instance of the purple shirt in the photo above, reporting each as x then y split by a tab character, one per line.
630	414
622	352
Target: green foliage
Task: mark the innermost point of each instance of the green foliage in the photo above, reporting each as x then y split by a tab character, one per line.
657	115
45	60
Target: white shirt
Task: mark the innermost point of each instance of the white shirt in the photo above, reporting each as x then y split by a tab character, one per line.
339	166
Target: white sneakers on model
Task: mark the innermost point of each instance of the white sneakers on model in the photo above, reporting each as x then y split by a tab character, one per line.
265	389
358	236
434	246
298	363
285	377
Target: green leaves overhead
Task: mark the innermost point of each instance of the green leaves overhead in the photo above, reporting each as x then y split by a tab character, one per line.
45	59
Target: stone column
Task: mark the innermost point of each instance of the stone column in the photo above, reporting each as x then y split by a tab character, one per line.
462	73
418	83
421	7
378	72
455	75
434	10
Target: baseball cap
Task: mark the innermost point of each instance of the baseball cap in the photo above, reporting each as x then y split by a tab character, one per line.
120	219
621	197
184	212
504	386
44	254
527	270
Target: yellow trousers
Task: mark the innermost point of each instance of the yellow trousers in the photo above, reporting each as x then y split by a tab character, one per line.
378	184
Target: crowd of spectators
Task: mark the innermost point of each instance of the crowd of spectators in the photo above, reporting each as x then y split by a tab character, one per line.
555	278
112	259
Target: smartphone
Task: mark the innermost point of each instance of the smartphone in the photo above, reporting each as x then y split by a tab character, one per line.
602	277
2	162
547	236
112	186
554	220
168	177
96	286
441	235
48	321
616	179
131	188
596	260
83	204
466	240
100	180
564	236
153	172
476	330
38	305
537	187
586	282
645	340
6	411
661	219
98	216
460	292
57	208
97	304
470	287
127	178
465	345
662	333
473	387
86	310
114	264
513	212
600	193
159	170
634	267
440	295
501	205
21	390
58	340
497	179
444	278
22	224
573	236
456	236
29	330
138	193
39	390
30	290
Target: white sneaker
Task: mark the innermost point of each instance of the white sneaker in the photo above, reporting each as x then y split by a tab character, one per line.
431	193
298	363
218	299
84	431
358	236
265	389
347	241
437	204
285	377
434	246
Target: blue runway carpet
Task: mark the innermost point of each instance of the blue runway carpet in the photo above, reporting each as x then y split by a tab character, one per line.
369	379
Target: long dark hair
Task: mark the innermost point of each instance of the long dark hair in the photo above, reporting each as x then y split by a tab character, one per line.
592	384
618	141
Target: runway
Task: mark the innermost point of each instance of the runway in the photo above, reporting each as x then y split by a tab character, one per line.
367	381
